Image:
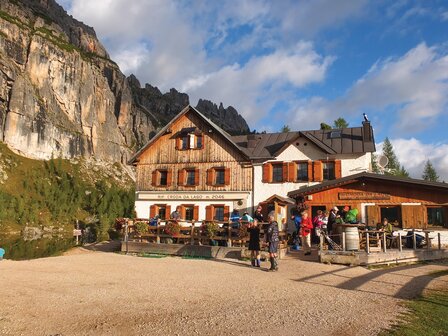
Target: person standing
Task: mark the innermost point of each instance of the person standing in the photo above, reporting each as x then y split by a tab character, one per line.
272	239
175	215
307	227
254	243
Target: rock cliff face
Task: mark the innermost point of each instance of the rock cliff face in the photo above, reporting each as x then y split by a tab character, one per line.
61	95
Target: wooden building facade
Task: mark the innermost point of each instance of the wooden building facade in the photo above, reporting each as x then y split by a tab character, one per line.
193	164
408	203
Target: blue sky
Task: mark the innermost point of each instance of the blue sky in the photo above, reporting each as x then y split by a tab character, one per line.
294	62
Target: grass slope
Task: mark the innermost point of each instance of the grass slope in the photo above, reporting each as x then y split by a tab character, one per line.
58	192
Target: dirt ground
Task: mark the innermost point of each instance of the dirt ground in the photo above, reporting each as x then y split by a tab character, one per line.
96	293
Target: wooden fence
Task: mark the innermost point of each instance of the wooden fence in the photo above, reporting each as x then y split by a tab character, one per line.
225	235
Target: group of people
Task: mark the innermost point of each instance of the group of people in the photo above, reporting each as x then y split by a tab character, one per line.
272	239
309	229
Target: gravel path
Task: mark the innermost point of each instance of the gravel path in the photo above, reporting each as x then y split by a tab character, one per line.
96	293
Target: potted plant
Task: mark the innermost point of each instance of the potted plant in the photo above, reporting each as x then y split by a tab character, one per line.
172	228
141	227
210	229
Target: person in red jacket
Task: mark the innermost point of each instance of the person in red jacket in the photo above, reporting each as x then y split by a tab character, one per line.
307	227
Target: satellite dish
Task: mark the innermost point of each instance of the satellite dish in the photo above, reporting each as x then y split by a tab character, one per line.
382	161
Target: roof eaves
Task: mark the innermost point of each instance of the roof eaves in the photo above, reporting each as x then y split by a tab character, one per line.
134	158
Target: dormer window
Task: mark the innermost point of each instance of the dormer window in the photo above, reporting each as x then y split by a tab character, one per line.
189	138
335	134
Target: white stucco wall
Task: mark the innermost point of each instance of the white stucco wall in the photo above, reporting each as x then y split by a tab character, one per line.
350	164
144	200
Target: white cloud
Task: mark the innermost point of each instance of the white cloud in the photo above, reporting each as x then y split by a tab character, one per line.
212	49
255	87
413	155
414	86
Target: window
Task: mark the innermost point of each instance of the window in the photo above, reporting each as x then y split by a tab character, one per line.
191	177
435	216
199	142
335	134
190	139
189	212
162	211
219	176
185	142
277	173
302	171
328	171
163	178
219	213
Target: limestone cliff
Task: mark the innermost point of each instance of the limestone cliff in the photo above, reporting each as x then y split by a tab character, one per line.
61	95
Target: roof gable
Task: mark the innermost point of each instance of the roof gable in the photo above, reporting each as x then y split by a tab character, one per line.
166	130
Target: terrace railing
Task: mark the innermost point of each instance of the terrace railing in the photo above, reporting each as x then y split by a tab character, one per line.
190	233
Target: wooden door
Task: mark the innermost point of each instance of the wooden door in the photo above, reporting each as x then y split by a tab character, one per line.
413	217
372	215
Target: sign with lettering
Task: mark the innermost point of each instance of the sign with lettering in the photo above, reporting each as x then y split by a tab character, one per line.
363	196
201	196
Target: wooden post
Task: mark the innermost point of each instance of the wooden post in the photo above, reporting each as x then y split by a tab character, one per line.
400	247
428	242
321	242
414	241
367	242
343	241
192	234
126	235
384	242
229	235
439	243
158	232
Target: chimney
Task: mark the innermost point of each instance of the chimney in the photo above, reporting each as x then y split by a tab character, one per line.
366	131
251	141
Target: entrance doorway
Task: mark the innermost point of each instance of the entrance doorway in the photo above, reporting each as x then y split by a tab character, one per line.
392	213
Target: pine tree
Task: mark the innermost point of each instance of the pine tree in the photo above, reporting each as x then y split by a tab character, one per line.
429	172
402	172
340	123
285	129
388	151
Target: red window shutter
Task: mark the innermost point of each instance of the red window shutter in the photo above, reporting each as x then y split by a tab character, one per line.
227	176
196	177
210	176
152	211
285	172
226	213
181	177
317	171
196	213
292	172
182	212
209	212
267	173
337	169
154	178
169	178
167	212
178	143
310	170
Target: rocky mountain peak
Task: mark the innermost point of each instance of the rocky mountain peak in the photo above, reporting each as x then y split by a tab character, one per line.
61	95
